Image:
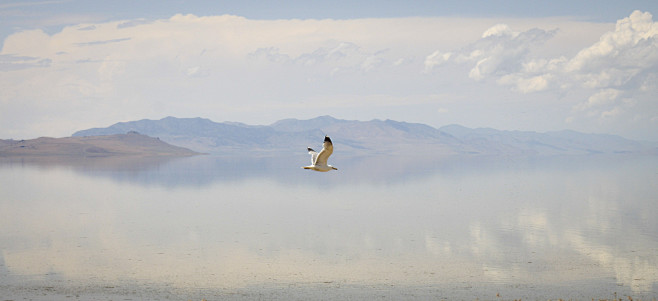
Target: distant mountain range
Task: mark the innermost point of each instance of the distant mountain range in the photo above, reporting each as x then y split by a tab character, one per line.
126	144
361	137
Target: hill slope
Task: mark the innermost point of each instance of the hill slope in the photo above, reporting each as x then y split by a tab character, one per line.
361	137
487	140
289	135
93	146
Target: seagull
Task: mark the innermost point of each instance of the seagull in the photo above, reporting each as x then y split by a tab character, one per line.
319	160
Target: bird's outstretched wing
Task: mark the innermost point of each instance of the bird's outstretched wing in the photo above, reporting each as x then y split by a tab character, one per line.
314	155
323	155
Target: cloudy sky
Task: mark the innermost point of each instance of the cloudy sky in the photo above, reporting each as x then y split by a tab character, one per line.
67	65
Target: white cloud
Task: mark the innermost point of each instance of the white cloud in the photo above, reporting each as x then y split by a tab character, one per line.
10	62
499	52
620	55
623	62
229	67
32	43
631	44
270	54
526	85
499	30
216	67
614	112
436	59
604	97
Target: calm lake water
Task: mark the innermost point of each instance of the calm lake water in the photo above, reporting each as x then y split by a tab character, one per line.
499	228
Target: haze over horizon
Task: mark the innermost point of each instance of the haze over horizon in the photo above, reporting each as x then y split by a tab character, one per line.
69	65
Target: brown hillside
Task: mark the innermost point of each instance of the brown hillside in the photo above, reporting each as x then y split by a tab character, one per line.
92	146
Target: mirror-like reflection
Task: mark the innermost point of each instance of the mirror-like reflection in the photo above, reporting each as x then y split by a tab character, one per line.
457	227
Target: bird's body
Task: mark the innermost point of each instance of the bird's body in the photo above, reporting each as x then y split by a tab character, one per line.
319	160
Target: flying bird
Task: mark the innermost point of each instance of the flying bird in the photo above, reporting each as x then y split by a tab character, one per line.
319	160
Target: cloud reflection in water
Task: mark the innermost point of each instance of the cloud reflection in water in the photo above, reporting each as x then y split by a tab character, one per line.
230	223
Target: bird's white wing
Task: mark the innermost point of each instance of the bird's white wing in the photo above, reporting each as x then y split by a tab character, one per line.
327	149
314	155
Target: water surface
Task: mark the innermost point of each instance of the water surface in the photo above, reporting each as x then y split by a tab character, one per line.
213	227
